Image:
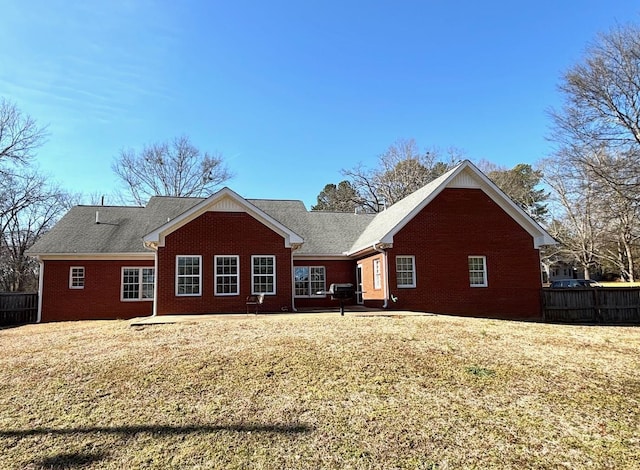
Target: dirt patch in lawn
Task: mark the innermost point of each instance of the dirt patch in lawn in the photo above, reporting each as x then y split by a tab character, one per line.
310	392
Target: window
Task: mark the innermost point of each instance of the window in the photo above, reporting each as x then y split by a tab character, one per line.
478	271
377	276
76	277
263	277
137	283
309	281
188	275
406	271
227	281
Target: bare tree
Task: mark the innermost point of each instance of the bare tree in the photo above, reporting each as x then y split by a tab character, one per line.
401	170
601	111
20	135
177	168
598	135
619	208
28	205
31	209
575	221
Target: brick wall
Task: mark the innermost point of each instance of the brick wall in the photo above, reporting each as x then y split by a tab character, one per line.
100	297
337	271
222	233
456	224
369	291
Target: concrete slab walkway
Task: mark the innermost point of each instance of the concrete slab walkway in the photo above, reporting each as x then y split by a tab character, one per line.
349	312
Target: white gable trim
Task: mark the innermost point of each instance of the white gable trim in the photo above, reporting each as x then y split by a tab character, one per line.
224	200
227	204
464	180
540	235
468	176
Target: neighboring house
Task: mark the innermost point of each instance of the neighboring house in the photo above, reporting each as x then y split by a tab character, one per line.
458	245
565	270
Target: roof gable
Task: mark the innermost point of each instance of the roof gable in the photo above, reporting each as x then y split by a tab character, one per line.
387	223
121	230
224	200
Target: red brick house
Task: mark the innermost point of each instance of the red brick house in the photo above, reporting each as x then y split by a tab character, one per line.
457	245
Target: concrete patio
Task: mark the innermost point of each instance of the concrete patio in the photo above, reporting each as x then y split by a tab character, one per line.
351	311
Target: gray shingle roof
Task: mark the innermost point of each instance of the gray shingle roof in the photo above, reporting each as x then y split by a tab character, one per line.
324	233
77	232
121	229
388	220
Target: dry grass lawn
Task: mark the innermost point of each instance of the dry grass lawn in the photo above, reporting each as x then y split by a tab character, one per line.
310	391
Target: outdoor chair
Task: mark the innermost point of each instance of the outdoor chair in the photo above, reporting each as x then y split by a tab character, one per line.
254	302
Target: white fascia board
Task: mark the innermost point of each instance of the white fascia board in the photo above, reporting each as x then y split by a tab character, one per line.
388	237
540	235
327	257
369	249
93	256
159	234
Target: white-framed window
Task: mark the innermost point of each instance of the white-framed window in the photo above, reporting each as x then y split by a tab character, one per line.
309	280
227	274
478	271
137	283
263	274
406	271
377	274
76	277
188	275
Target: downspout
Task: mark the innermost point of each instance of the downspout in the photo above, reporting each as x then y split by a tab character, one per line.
386	274
150	246
155	286
293	282
40	289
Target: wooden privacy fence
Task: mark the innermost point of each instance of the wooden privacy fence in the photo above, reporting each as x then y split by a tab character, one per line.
17	308
598	305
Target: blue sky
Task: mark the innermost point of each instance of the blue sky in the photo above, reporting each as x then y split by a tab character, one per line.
290	92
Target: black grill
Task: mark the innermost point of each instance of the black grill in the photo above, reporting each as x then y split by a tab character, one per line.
341	291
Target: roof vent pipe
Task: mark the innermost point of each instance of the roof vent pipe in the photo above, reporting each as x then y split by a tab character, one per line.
97	217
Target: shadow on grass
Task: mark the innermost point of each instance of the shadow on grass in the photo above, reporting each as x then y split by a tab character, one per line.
4	326
71	460
161	429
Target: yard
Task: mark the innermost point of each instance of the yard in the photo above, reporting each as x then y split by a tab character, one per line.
309	391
